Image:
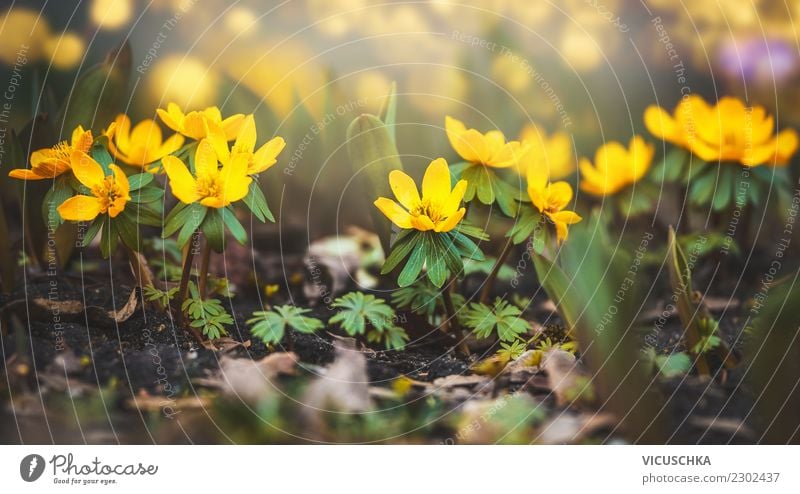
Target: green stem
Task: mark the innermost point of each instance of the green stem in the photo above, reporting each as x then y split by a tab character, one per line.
452	319
204	260
490	280
183	291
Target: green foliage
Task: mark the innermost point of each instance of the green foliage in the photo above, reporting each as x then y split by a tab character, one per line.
270	325
502	318
529	224
441	253
357	310
207	315
488	187
513	350
257	203
153	294
424	299
669	365
165	257
373	154
360	313
393	337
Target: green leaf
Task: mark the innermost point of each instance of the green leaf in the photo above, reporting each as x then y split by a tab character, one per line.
92	230
373	154
357	311
140	180
128	231
723	193
147	194
502	319
701	189
213	228
195	216
236	228
414	264
270	326
672	167
55	196
400	250
257	203
674	364
388	113
558	287
524	225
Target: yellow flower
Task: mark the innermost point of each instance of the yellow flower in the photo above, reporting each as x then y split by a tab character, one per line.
551	199
52	162
616	167
109	193
143	145
555	151
437	209
195	123
489	149
245	147
212	186
729	131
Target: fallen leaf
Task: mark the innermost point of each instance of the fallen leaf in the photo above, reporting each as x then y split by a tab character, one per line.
566	378
250	380
570	429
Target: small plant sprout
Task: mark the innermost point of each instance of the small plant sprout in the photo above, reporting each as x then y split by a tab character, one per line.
209	314
432	235
484	155
422	298
272	325
360	314
502	320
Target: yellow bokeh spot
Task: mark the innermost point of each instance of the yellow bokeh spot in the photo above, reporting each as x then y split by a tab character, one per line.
437	90
373	87
185	81
240	20
580	49
111	14
510	74
65	51
23	32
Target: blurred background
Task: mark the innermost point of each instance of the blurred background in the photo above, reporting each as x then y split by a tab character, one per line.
306	68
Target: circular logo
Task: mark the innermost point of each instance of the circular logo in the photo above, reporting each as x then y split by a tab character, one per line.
31	468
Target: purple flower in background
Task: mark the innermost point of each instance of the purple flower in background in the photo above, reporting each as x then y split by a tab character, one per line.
758	60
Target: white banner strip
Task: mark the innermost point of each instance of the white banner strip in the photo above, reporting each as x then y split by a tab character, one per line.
401	469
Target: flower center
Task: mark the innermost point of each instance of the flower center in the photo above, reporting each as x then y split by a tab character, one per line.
62	151
107	192
426	208
209	186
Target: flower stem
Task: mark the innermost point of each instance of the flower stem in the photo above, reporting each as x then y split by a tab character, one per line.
183	291
204	260
452	319
488	285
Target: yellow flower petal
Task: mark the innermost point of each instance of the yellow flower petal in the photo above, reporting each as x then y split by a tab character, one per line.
232	125
205	159
404	189
86	170
267	155
455	197
560	194
79	208
469	144
182	183
246	139
236	182
436	182
451	221
662	125
422	223
394	212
